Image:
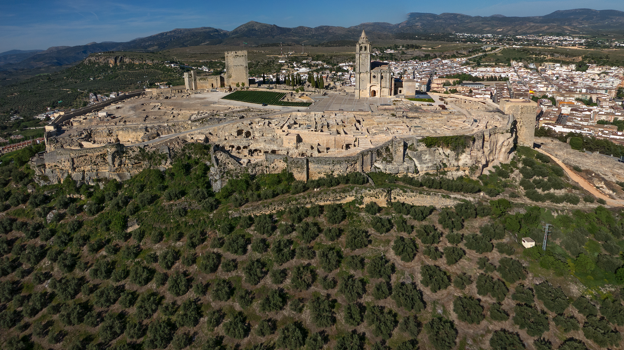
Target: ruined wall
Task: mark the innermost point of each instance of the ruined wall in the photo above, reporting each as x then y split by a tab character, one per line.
236	70
408	156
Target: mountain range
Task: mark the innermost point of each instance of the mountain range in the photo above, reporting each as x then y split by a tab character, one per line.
578	21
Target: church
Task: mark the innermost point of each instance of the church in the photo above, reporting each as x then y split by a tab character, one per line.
371	79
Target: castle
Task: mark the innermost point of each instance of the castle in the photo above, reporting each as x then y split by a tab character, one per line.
236	74
371	80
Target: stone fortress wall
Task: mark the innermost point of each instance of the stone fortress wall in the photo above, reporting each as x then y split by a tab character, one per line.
406	156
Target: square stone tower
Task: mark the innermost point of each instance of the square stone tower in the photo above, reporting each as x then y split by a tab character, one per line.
525	113
236	70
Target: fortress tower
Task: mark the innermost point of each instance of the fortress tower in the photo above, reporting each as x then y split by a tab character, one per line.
236	68
525	113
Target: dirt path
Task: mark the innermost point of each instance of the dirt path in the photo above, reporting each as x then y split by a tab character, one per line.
584	183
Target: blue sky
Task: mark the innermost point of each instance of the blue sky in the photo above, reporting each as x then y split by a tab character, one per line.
39	24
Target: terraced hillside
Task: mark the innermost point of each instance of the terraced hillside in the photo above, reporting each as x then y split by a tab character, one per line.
162	262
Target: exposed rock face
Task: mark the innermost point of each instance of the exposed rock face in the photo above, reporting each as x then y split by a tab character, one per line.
112	161
488	148
117	60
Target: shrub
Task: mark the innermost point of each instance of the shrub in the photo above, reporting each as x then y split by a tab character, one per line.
265	328
356	239
354	262
408	296
189	314
214	318
147	305
568	324
178	284
523	295
382	290
292	336
330	258
372	208
402	225
236	244
554	299
350	341
441	333
308	231
585	307
255	271
303	276
332	233
497	313
282	253
435	278
462	281
613	311
354	314
380	267
494	287
504	339
321	310
406	248
237	327
468	309
453	255
278	276
263	224
478	243
601	332
511	270
352	288
275	300
335	213
576	143
381	225
432	252
221	290
383	321
529	318
428	234
450	220
209	262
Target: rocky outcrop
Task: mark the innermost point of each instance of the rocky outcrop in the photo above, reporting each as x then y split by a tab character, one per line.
118	60
488	148
112	161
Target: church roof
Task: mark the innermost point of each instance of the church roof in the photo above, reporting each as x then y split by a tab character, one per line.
363	38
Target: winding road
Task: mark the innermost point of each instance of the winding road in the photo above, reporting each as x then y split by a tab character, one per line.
584	183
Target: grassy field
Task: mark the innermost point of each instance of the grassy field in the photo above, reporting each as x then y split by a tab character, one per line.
260	97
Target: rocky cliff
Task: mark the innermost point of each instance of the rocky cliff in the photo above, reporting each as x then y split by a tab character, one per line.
118	60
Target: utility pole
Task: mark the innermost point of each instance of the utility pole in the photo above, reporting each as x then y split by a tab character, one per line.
547	229
281	50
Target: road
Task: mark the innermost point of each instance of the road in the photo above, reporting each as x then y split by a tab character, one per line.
584	183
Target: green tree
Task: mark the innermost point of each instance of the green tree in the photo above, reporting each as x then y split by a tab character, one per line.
435	278
468	309
441	333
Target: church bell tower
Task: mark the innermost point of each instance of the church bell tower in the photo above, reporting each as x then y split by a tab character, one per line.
362	66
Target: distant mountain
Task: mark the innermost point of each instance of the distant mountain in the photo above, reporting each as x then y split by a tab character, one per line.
16	56
578	21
